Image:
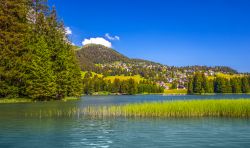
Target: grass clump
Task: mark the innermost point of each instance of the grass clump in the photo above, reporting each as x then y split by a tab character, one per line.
15	100
192	108
175	91
70	99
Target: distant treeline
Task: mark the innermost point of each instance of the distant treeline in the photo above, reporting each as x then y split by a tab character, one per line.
36	59
130	86
199	83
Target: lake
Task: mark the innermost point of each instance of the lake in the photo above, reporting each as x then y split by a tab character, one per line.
18	129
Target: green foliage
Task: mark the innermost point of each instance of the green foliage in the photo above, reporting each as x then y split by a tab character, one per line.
174	85
40	77
199	83
198	86
15	100
190	86
36	59
245	85
14	32
191	108
176	91
130	86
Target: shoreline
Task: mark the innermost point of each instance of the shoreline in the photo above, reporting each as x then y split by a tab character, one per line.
29	100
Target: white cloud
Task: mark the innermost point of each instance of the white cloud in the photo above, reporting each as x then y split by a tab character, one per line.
112	38
68	31
98	40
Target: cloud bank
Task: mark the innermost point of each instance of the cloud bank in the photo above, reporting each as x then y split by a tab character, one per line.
112	38
98	40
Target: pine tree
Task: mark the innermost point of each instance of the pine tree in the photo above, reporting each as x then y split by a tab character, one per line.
220	85
245	85
228	86
197	87
236	85
116	86
132	87
205	84
14	34
66	69
41	80
190	86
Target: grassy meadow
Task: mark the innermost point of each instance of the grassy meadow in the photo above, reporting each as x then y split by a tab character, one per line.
175	91
227	76
93	73
137	78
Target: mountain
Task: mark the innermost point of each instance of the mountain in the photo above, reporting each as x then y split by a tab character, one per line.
101	59
100	54
92	54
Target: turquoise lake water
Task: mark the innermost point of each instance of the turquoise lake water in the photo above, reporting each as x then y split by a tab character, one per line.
19	130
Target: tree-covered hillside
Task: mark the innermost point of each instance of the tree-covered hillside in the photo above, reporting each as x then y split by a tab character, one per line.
100	54
108	62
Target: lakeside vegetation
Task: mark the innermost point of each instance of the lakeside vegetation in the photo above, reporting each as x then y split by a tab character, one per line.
15	100
238	108
175	91
30	100
192	108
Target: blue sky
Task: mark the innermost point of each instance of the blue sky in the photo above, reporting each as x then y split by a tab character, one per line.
172	32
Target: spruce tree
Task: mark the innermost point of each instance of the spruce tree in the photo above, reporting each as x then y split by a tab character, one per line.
245	85
41	79
236	85
14	34
190	86
197	87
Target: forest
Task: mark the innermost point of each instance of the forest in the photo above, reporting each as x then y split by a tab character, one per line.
36	58
95	84
200	84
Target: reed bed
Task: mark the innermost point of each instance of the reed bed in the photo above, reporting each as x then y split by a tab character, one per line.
186	108
192	108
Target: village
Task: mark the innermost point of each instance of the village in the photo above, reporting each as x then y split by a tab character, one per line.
169	77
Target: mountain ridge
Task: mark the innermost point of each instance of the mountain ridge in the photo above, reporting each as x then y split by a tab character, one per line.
92	54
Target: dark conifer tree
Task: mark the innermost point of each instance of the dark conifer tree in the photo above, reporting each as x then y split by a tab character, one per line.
190	86
14	36
245	85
